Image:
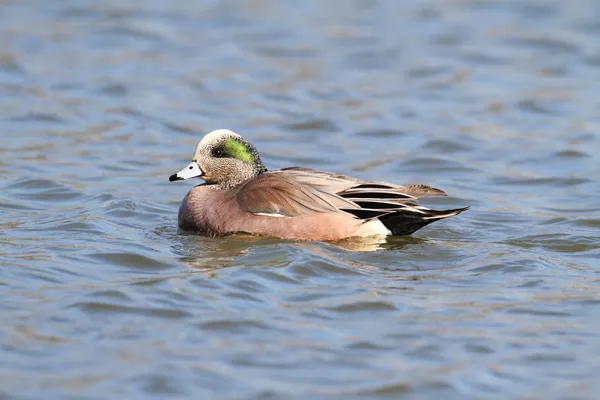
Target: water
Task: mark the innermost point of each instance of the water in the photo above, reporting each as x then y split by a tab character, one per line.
495	102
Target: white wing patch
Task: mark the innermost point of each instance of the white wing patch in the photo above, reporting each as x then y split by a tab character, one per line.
269	215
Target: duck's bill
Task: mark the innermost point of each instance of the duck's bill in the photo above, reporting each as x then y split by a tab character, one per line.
191	171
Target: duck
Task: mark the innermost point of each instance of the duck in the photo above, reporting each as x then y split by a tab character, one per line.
240	196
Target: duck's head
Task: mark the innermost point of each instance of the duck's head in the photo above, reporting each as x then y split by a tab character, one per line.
223	158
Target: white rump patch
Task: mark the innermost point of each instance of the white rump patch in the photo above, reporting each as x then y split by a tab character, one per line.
372	228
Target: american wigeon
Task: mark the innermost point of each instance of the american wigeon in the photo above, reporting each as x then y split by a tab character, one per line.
241	196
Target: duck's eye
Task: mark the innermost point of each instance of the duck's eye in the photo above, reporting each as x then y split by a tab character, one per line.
218	152
191	167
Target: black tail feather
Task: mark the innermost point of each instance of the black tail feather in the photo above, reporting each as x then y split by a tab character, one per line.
402	222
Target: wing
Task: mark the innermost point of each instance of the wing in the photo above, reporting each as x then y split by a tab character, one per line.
282	195
338	183
300	191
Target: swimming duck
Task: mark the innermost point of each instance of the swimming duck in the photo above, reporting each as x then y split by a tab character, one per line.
241	196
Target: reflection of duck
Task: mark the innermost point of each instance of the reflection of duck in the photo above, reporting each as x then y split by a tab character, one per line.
373	243
241	196
209	254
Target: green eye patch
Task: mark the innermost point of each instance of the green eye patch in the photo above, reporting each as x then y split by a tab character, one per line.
237	149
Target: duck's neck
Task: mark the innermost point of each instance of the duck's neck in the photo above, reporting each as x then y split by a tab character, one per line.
240	178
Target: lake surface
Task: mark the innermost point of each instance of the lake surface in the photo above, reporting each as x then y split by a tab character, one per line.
497	102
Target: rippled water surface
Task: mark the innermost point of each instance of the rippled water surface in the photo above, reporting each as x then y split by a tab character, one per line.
497	102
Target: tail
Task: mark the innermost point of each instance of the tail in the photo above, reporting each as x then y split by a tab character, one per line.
406	222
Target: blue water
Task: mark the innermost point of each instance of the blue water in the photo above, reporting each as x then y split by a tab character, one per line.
496	102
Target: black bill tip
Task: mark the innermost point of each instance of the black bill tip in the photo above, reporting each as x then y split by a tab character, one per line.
174	177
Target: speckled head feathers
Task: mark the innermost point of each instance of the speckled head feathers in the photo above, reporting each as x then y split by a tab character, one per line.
227	159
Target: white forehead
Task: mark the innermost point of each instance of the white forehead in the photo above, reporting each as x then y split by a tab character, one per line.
217	135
